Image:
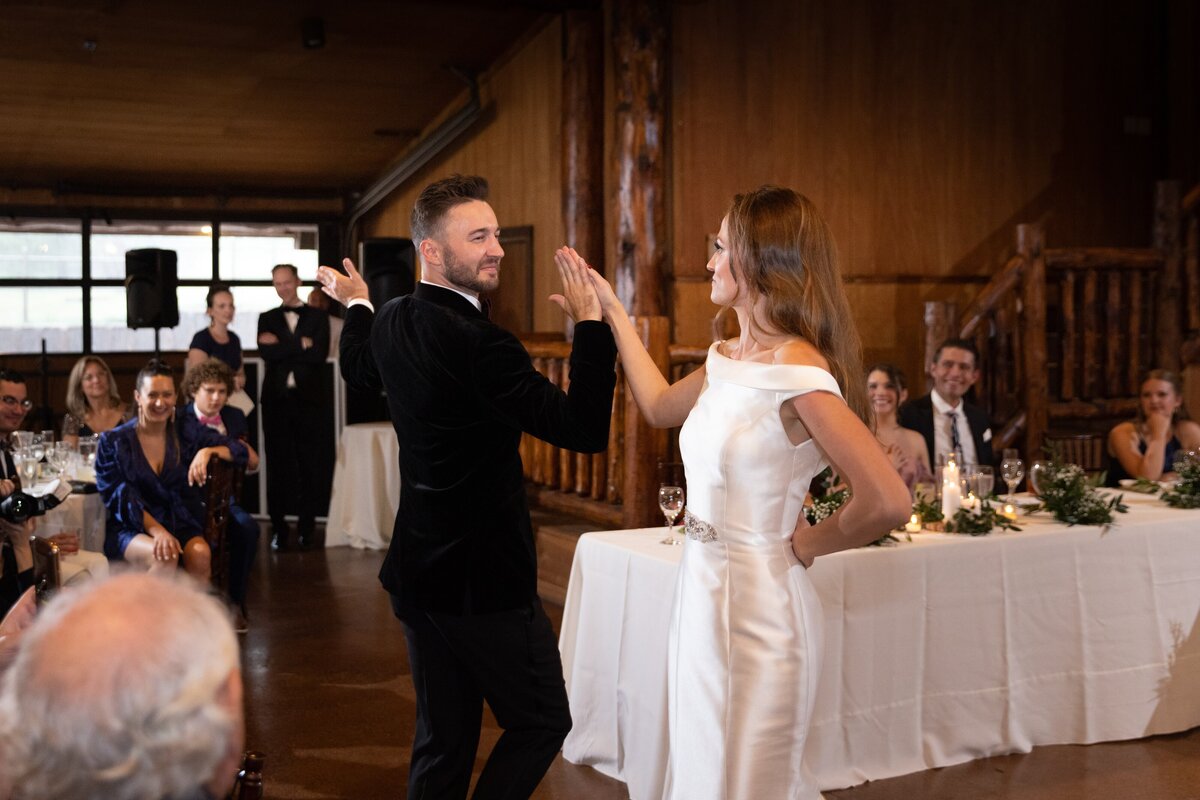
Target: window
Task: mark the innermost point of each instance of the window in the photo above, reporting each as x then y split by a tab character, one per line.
51	290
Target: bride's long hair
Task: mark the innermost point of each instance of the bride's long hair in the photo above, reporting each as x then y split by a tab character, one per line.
781	250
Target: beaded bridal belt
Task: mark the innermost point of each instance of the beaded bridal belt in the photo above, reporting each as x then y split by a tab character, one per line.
698	529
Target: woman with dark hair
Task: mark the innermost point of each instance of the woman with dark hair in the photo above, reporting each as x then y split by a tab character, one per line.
93	403
1146	446
762	417
905	448
142	473
217	340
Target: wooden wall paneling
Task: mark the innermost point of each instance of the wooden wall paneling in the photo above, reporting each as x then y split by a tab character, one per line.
1035	397
1169	334
583	134
640	34
1192	265
1091	336
1069	340
516	148
1137	338
923	132
1115	335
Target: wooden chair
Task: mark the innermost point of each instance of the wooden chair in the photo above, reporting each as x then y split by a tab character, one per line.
1085	449
218	491
249	782
47	570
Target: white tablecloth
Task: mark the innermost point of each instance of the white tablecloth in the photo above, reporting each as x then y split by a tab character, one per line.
938	651
82	512
366	487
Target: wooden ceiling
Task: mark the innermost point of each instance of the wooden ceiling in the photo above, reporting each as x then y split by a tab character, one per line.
177	96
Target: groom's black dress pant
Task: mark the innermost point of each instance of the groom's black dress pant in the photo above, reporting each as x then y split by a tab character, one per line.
508	658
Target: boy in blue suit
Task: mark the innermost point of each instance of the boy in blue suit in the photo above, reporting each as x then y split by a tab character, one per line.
208	385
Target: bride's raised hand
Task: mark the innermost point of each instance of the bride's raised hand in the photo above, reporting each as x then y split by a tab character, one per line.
609	303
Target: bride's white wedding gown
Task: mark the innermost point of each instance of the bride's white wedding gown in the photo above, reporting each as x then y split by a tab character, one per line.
746	640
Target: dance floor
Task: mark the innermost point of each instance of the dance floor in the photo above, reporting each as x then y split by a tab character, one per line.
330	703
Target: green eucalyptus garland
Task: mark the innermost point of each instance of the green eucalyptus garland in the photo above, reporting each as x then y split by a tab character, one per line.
1067	493
1186	493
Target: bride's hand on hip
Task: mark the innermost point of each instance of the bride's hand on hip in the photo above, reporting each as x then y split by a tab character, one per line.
799	540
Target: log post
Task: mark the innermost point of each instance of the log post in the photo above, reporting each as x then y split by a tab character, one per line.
1030	244
583	136
1169	303
639	30
941	323
645	446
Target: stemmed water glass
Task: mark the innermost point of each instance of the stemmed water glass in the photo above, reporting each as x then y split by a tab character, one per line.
670	502
1012	469
59	457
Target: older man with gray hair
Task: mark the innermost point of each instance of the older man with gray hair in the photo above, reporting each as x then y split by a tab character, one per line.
124	689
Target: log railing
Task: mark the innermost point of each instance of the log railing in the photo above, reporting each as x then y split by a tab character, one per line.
615	488
1065	334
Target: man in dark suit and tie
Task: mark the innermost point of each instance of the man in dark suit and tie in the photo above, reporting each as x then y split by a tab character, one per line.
947	421
293	340
461	567
16	559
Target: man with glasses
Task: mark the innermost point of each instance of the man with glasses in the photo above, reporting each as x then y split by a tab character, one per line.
16	559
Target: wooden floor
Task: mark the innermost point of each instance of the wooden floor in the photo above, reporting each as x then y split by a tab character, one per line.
330	703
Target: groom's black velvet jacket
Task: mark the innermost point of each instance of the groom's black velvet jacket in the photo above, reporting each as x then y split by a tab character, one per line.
460	391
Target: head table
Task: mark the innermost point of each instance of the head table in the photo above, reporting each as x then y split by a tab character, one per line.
937	651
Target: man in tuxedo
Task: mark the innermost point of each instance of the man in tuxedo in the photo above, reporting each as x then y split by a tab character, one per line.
461	568
293	341
947	421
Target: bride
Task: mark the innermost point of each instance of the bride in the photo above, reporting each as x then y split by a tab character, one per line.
767	412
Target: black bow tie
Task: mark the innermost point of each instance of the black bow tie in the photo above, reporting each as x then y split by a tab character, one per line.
292	309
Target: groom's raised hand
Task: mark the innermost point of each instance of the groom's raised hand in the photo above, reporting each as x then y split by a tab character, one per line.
343	288
578	299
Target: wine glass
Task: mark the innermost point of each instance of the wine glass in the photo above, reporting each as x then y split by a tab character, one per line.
985	481
27	466
670	502
1012	469
1037	470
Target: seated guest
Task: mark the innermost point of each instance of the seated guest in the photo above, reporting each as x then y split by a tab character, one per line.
217	340
905	448
142	473
93	404
209	385
1146	447
949	423
126	688
16	559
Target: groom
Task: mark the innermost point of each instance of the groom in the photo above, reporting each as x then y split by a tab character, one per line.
461	568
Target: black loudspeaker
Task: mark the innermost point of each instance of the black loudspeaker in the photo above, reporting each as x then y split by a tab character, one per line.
389	266
150	279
